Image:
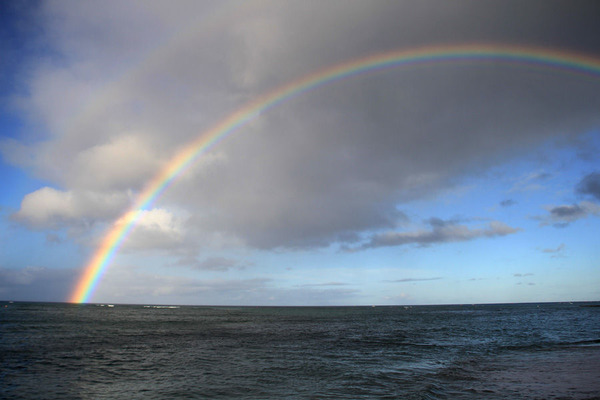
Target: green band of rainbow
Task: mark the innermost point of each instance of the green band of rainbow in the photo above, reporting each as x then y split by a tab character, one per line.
547	58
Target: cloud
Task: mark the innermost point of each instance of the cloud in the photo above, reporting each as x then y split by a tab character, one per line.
49	208
323	168
16	153
567	212
212	263
558	249
53	238
156	229
36	283
415	279
442	231
128	284
561	216
324	284
590	185
531	181
521	275
124	162
399	298
508	203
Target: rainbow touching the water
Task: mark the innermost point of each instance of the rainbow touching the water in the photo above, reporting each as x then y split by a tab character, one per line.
518	55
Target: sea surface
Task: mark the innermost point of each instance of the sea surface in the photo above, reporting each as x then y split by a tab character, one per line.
516	351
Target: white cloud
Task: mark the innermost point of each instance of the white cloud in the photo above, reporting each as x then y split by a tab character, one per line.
49	208
156	229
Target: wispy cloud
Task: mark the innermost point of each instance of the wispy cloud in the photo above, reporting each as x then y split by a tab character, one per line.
414	279
324	284
508	203
212	263
441	231
554	250
531	181
563	215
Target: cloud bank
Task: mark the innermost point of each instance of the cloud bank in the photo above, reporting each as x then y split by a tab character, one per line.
326	168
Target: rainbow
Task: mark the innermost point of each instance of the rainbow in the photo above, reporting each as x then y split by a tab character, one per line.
519	55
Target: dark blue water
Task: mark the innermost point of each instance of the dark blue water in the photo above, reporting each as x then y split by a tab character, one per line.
63	351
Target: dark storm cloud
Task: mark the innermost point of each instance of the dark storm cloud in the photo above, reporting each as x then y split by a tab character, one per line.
338	173
328	165
590	185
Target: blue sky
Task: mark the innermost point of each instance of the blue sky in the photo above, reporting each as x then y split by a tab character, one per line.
450	183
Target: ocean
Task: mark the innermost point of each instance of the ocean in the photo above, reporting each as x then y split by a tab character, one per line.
502	351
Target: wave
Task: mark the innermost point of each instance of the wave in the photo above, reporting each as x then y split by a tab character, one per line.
551	345
161	306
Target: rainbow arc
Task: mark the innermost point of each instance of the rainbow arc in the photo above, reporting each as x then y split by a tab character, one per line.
518	55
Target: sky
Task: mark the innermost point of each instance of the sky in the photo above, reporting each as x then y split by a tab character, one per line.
472	181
